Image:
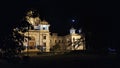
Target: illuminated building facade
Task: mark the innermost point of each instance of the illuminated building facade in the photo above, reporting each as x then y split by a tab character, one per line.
41	39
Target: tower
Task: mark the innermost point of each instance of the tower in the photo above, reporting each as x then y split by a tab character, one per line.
39	34
44	35
80	31
72	31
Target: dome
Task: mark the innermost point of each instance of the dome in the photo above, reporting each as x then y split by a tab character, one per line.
72	31
72	28
44	22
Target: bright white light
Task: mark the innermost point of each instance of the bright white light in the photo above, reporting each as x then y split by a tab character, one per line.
36	27
80	30
73	20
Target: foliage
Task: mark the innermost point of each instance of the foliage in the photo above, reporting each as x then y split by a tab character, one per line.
12	43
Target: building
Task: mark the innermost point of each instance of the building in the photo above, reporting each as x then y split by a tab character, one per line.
41	39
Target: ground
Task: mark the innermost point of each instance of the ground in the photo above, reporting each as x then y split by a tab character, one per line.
66	61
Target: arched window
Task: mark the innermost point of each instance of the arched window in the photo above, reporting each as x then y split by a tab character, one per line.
31	42
44	37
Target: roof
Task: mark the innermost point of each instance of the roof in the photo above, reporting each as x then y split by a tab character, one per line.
72	28
44	22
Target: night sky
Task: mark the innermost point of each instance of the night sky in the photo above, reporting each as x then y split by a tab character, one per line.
94	17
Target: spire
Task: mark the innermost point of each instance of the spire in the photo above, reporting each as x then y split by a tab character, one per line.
44	22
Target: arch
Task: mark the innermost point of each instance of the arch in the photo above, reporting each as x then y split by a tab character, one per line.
32	43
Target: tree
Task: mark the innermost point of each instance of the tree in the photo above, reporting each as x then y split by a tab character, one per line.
12	42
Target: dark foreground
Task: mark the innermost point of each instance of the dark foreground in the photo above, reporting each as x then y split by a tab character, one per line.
66	61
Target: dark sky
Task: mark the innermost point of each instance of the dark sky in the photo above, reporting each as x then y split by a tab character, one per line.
95	17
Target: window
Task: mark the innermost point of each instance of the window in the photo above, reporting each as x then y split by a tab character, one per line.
55	41
43	28
44	37
44	44
59	41
62	41
32	45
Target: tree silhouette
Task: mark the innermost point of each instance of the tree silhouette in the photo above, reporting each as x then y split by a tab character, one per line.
12	43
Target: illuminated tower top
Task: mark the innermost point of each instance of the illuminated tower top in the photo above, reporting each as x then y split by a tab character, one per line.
72	30
44	25
80	31
44	22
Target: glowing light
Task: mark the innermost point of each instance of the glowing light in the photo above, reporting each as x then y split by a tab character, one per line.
73	20
79	30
